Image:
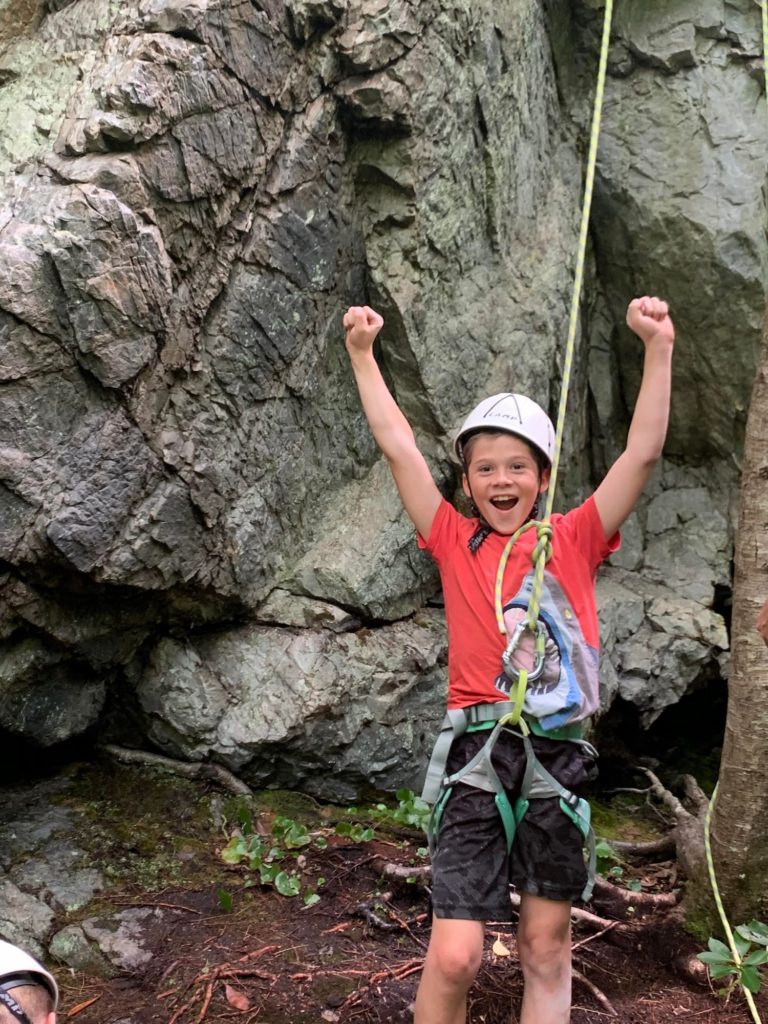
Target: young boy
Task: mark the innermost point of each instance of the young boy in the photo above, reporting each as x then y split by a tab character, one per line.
505	447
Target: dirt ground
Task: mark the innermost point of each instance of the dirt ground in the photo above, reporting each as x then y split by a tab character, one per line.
356	954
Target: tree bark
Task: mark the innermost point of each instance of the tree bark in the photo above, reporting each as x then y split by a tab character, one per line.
740	816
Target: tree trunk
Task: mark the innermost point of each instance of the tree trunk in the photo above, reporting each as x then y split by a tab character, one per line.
740	818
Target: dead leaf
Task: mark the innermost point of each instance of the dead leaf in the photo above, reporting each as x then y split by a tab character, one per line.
329	1015
239	1000
499	949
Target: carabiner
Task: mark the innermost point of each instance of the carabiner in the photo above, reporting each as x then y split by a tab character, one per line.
540	646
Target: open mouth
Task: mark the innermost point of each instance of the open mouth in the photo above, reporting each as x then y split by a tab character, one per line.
504	502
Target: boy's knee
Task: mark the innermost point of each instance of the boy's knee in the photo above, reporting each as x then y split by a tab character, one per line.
458	963
544	953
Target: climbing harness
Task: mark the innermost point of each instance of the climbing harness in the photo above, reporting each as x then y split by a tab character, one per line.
479	772
537	783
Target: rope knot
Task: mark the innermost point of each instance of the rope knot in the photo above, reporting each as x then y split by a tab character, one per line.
543	547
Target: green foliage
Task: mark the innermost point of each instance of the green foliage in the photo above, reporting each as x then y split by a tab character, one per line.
225	900
606	856
276	859
411	812
355	831
292	834
609	865
273	858
311	896
751	941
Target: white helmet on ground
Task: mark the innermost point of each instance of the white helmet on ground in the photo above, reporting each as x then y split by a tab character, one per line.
18	968
514	414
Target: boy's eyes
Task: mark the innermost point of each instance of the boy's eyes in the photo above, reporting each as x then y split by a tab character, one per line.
518	467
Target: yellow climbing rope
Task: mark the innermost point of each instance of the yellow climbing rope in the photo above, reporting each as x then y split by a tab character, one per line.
543	548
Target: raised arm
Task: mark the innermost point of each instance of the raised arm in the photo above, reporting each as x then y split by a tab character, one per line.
389	426
626	479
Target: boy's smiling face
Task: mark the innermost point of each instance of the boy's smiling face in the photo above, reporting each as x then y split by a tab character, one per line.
503	480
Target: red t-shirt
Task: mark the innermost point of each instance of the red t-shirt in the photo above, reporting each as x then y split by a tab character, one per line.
475	643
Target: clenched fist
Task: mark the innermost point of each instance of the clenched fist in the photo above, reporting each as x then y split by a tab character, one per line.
362	324
649	318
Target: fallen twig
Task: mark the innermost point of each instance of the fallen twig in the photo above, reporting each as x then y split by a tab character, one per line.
207	1000
342	926
601	997
596	935
204	984
391	973
83	1006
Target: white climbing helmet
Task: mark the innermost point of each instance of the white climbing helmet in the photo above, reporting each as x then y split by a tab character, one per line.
515	414
18	968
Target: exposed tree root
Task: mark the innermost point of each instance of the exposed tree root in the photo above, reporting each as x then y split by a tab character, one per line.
688	832
189	770
691	969
666	797
398	923
622	903
366	911
658	849
404	872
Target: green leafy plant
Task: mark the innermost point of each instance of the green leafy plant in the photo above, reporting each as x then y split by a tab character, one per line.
225	900
411	811
311	896
273	857
606	856
751	941
292	834
355	831
609	866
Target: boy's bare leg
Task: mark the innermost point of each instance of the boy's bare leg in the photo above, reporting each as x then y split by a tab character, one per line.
453	959
544	947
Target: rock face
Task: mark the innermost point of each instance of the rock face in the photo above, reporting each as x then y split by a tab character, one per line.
279	705
191	505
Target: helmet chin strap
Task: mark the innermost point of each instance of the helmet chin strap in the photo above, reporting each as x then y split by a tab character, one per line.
10	1004
483	529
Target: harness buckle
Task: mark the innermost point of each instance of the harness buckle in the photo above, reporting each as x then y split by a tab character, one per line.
510	671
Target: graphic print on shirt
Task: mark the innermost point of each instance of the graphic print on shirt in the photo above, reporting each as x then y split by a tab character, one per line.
570	664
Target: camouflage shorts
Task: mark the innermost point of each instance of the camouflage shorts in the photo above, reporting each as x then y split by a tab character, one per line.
471	869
